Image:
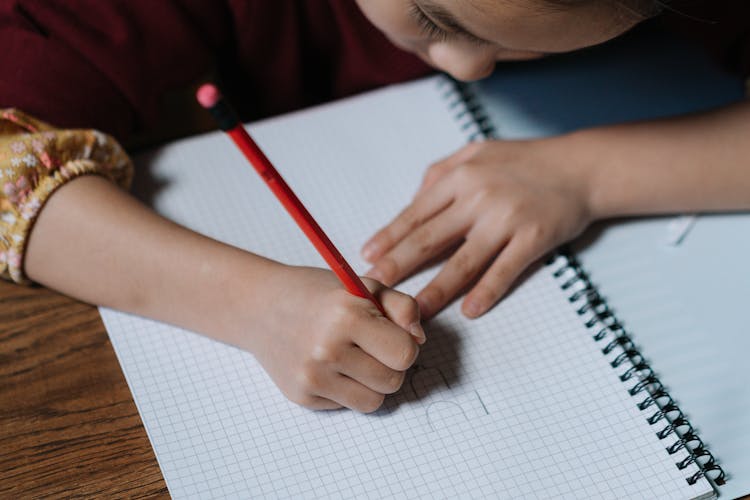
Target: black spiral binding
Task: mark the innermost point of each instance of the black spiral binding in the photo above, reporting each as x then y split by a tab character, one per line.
468	111
601	320
475	122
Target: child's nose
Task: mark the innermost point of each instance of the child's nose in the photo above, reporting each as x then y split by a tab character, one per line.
465	64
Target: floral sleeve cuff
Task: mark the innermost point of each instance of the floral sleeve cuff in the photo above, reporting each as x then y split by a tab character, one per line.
35	160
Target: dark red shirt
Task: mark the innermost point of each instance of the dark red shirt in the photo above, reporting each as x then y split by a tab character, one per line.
108	64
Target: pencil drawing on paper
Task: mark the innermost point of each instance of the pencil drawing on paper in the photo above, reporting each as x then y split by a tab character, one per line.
451	409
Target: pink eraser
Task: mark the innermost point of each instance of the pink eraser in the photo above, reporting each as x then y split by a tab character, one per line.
208	95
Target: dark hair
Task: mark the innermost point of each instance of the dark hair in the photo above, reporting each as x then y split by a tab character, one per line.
644	8
640	8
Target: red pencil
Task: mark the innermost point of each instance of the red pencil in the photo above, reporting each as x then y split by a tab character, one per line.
210	98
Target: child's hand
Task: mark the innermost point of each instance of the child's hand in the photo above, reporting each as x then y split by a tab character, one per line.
326	348
504	203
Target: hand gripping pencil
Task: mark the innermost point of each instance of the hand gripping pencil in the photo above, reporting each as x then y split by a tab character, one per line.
210	98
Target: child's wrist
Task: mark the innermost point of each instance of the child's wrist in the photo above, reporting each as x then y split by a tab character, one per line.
586	154
244	283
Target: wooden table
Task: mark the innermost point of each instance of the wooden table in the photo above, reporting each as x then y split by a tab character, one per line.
68	423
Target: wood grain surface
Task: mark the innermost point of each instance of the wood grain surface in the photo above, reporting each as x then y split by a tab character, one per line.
68	423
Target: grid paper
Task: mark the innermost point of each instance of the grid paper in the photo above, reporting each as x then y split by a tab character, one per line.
519	403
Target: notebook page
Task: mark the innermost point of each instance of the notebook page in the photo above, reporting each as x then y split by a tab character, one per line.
683	305
686	309
518	403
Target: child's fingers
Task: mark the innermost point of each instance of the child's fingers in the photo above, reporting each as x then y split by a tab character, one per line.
403	310
439	169
319	403
421	209
371	373
351	394
507	267
386	342
425	242
461	269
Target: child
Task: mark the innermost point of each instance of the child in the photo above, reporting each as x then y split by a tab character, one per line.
118	66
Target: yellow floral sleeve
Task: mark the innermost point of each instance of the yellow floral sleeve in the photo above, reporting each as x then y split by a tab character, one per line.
35	160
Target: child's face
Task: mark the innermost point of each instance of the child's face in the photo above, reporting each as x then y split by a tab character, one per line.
466	37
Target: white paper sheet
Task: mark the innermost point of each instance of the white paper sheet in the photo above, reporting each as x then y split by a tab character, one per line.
519	403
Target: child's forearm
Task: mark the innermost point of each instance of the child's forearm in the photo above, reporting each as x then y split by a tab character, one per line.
324	347
694	163
95	242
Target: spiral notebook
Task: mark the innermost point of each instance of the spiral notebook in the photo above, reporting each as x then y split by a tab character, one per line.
545	396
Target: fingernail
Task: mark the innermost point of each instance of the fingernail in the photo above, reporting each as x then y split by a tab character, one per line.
472	309
417	331
368	251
